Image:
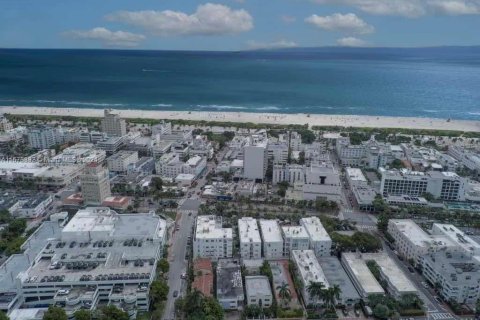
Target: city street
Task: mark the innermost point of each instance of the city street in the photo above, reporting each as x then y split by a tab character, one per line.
179	242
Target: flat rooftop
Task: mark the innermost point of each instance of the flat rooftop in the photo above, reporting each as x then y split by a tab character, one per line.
210	227
308	267
257	286
336	275
229	280
355	174
457	236
295	232
248	230
271	231
315	229
361	273
390	269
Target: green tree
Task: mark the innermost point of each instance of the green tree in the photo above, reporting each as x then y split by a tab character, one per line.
331	295
159	291
3	316
55	313
82	314
212	309
112	313
315	290
381	311
284	292
163	266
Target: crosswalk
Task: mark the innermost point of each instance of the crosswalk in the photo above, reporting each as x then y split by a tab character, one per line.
439	316
367	227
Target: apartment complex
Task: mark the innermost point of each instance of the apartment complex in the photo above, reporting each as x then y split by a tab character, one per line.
250	241
272	239
412	242
294	238
255	158
42	137
211	240
320	241
455	274
120	161
308	270
442	185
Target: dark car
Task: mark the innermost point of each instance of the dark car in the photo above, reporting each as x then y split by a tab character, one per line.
175	293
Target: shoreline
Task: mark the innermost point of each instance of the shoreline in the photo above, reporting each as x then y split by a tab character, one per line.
267	118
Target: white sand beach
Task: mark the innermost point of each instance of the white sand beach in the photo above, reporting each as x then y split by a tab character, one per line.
271	118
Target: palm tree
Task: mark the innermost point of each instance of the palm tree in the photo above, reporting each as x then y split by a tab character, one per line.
284	293
315	290
331	296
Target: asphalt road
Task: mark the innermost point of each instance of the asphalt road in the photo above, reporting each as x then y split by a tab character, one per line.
178	249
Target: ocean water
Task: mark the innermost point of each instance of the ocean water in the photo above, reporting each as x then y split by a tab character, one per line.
430	82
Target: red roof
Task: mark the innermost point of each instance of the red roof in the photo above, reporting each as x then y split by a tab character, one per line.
203	282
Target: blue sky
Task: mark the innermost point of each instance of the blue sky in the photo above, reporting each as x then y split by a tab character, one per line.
236	24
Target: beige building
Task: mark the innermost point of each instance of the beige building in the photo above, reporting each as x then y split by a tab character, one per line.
95	184
113	125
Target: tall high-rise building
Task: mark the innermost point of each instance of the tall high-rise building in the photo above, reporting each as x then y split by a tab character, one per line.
95	184
113	125
255	158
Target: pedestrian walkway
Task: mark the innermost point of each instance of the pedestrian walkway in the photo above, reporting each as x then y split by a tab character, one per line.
444	315
363	226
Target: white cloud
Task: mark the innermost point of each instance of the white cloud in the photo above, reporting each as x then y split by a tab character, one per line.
107	37
348	23
351	42
410	8
272	45
209	19
455	7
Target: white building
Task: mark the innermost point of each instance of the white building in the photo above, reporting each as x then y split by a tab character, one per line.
455	274
294	238
42	137
442	185
5	125
292	173
258	291
412	242
255	160
211	240
250	241
100	257
95	184
113	125
81	153
355	177
468	158
362	278
120	161
170	165
320	241
272	239
34	207
278	152
350	155
309	271
458	237
397	282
